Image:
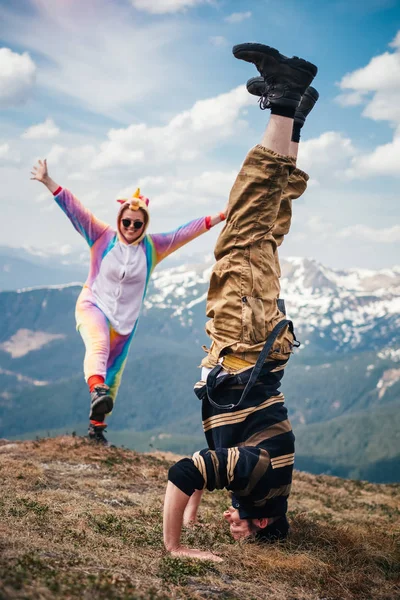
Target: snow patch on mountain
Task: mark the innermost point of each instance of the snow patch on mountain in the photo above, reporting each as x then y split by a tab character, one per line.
23	378
389	378
390	353
344	308
60	286
25	341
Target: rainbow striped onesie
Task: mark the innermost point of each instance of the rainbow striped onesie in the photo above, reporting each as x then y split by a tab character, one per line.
107	309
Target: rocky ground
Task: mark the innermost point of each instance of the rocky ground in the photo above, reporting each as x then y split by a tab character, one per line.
82	522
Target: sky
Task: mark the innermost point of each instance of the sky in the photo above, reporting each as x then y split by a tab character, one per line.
146	93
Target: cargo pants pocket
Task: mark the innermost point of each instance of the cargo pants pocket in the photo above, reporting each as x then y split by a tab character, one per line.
253	320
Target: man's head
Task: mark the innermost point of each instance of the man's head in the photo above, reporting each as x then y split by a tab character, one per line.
242	528
264	529
133	218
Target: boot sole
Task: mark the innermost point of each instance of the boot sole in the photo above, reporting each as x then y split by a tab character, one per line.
253	47
103	405
312	93
300	116
299	64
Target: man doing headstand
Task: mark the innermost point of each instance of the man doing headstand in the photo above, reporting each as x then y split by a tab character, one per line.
250	440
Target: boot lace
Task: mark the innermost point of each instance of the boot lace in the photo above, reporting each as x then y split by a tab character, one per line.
263	102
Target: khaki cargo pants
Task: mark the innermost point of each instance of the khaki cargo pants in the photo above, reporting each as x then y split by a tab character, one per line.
244	285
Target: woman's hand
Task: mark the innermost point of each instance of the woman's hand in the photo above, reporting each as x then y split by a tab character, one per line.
40	173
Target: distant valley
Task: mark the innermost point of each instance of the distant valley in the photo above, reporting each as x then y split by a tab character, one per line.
342	386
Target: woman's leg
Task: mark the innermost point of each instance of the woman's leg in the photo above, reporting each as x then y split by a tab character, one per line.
119	348
94	329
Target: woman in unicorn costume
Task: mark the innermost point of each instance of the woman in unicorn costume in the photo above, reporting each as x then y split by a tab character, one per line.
121	263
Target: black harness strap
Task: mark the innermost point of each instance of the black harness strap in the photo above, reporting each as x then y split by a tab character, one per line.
211	382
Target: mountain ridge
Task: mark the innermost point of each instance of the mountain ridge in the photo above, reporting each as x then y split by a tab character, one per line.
41	356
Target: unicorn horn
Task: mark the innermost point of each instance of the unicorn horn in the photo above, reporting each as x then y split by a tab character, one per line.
137	193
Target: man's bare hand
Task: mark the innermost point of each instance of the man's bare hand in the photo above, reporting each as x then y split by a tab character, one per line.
193	553
40	172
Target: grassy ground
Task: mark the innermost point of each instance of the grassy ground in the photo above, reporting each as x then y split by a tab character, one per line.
82	522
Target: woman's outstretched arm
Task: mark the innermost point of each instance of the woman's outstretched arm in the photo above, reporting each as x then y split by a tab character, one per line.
166	243
81	218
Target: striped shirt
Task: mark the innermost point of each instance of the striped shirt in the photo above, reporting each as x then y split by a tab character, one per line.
250	448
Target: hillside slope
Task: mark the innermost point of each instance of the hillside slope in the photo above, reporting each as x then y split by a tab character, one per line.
82	522
348	364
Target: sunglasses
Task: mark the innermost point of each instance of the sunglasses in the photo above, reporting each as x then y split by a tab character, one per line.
136	224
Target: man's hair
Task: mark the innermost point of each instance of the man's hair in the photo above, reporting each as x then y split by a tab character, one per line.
278	530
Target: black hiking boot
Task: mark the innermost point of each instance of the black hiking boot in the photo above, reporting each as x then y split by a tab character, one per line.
96	434
101	403
306	105
287	78
257	87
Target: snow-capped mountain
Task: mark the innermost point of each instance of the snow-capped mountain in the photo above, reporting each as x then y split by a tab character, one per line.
336	310
343	383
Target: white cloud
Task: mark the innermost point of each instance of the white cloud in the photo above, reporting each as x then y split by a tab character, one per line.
65	249
160	7
180	195
17	77
8	155
381	73
45	130
42	197
72	159
325	154
218	40
79	176
208	189
378	86
209	184
55	154
352	99
384	106
184	138
48	208
396	42
91	199
238	17
313	183
384	160
386	235
105	69
152	181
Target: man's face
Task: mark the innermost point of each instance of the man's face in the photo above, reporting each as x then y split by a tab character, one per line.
239	527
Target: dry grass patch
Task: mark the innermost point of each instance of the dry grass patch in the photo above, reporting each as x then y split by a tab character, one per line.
80	522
